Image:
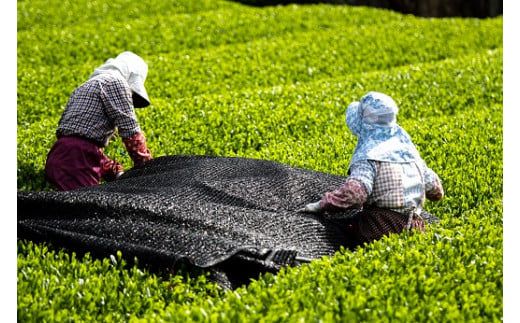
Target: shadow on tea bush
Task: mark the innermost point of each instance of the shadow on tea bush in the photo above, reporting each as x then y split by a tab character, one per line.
425	8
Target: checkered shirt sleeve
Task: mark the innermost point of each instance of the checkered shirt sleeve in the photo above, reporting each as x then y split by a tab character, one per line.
117	99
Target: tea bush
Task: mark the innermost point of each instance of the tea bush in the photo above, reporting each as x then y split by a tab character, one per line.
273	83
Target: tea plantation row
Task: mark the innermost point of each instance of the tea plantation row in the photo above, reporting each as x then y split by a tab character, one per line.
454	271
285	59
234	123
273	83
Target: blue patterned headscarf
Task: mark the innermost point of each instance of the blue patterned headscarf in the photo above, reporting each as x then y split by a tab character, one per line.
373	121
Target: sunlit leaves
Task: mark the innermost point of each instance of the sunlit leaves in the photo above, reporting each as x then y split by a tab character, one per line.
273	83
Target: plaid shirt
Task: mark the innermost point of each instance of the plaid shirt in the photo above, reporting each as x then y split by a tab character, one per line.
97	107
397	186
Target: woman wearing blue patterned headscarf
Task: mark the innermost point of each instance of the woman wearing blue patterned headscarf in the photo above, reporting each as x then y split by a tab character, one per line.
388	180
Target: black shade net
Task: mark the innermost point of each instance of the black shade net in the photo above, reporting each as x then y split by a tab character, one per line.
234	217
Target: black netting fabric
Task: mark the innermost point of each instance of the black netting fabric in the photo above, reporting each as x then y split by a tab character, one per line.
235	217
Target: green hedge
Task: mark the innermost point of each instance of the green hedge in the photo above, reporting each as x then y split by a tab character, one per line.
273	83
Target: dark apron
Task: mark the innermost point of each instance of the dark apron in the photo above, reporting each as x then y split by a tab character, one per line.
74	162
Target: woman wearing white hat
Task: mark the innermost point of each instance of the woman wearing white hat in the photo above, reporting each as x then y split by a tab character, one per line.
104	103
387	179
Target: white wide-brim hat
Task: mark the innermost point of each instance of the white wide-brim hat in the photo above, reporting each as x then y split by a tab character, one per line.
134	70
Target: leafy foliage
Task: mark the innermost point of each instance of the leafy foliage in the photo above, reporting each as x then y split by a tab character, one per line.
273	83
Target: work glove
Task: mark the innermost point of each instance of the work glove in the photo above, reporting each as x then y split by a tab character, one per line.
137	149
311	208
110	169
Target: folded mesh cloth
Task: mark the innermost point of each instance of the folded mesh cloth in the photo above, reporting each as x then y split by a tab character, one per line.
233	217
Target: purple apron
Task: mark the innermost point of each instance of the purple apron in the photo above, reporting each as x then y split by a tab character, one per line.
74	162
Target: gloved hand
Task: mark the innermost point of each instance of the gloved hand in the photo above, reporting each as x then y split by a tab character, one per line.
311	208
110	169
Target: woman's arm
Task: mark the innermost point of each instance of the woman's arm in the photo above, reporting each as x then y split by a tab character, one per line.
433	186
354	192
117	100
137	149
110	169
351	193
119	108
